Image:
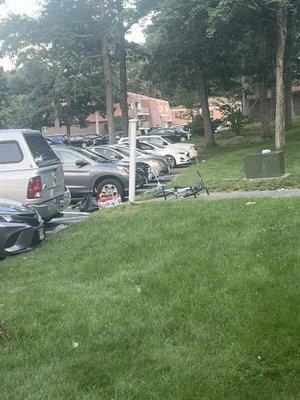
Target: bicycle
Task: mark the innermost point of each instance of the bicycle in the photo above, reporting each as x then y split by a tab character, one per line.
187	191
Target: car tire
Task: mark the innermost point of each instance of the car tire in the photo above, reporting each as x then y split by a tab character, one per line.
182	138
110	186
172	160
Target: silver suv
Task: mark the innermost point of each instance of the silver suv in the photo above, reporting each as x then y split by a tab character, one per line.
31	173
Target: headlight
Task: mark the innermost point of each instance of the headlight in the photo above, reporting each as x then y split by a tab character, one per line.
6	218
153	163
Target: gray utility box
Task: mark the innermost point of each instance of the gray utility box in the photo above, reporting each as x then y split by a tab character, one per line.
267	165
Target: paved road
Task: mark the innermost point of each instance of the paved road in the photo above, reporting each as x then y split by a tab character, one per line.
254	194
70	216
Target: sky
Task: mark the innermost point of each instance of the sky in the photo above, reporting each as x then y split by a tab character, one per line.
19	7
30	7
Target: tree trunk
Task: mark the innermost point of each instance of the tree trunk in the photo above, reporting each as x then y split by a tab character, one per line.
288	83
107	74
279	120
108	91
121	52
288	72
263	86
203	97
245	101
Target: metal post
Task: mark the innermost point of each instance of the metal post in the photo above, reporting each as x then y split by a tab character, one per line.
132	165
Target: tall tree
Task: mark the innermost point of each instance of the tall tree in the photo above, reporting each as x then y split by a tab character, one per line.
180	51
58	42
273	16
280	94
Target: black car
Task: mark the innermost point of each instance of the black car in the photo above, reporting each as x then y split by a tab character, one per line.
14	238
20	227
79	141
97	139
181	135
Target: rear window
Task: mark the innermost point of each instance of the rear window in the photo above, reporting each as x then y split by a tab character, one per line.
10	152
40	150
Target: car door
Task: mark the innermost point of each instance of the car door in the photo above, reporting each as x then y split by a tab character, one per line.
77	171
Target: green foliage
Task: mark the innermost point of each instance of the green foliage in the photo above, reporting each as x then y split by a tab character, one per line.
57	60
233	114
4	90
196	126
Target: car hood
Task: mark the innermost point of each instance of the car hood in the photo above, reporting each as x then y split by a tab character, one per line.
9	209
109	166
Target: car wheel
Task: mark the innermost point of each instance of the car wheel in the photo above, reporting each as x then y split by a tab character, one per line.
171	160
182	138
110	187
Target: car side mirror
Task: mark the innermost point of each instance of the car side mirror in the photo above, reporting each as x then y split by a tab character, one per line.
81	163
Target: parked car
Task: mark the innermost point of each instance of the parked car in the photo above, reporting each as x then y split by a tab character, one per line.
183	128
113	155
182	135
140	176
84	174
31	173
166	141
20	227
80	141
159	165
223	126
14	238
57	138
175	156
97	139
14	211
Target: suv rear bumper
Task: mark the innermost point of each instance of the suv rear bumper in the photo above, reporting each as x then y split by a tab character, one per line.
51	208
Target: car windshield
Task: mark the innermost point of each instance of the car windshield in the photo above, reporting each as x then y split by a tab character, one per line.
108	152
126	151
94	156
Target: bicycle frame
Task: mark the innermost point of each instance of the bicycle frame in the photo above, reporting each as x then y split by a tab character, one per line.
187	191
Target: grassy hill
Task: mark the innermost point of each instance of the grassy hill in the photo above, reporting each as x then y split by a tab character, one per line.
222	168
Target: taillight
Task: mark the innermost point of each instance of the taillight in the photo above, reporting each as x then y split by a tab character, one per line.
34	189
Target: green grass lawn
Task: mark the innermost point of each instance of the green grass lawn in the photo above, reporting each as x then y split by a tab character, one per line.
174	300
222	168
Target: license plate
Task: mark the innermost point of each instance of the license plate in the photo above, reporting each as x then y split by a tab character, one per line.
41	232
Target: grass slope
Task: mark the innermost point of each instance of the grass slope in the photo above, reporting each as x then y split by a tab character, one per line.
222	168
165	300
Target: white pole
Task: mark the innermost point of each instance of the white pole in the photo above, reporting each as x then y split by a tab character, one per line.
132	165
97	122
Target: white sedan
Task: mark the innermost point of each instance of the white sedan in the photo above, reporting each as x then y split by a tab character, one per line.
175	156
166	141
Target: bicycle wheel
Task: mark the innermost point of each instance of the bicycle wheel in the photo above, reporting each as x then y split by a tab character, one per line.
193	191
163	193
